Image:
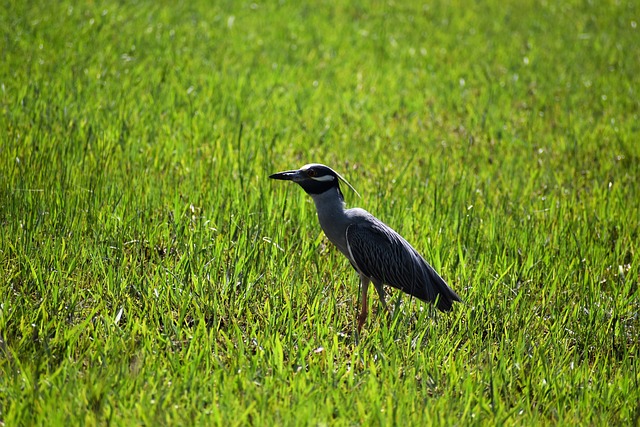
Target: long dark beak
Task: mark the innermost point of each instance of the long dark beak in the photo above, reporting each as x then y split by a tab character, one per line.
294	175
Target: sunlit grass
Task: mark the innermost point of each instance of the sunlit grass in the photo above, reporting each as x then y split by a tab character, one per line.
150	273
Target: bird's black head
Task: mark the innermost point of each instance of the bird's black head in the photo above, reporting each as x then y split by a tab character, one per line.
314	178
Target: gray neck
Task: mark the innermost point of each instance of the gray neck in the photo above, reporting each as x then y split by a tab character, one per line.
329	204
331	215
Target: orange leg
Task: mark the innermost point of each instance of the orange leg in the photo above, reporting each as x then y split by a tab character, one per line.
362	317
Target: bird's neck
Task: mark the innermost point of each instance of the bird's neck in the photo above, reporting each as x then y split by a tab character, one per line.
330	202
332	217
329	205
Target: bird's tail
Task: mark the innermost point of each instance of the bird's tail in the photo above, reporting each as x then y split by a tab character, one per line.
444	295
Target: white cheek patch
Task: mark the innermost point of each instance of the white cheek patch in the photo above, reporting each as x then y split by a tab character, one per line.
324	178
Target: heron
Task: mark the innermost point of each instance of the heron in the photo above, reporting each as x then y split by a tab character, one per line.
377	252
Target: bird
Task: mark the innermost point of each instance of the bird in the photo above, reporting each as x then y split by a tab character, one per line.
377	252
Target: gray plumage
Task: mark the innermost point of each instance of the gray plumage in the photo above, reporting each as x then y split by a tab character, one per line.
377	252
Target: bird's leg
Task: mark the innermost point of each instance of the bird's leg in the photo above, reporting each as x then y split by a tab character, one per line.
381	293
362	317
380	288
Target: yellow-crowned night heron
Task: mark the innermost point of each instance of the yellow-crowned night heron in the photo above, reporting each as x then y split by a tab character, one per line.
377	252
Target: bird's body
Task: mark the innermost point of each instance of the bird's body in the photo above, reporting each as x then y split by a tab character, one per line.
377	252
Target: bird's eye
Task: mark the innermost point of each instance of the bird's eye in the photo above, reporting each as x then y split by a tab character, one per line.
311	172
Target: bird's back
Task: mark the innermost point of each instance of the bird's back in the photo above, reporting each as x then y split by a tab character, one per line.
381	254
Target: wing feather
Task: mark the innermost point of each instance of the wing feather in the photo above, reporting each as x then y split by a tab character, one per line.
383	255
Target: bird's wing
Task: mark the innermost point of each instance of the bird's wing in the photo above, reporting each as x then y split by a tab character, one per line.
382	254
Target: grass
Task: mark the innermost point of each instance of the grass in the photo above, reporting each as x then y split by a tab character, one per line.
152	274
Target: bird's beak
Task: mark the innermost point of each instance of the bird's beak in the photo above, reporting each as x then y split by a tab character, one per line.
295	176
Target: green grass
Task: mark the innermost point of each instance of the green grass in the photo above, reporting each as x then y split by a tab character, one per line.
150	273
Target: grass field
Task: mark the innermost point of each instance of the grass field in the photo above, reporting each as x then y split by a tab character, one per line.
151	273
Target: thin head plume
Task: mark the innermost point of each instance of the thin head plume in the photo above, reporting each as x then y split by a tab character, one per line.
348	185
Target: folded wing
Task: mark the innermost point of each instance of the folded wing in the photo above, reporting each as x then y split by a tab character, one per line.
383	255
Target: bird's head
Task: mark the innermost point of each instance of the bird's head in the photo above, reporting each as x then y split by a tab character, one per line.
314	178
